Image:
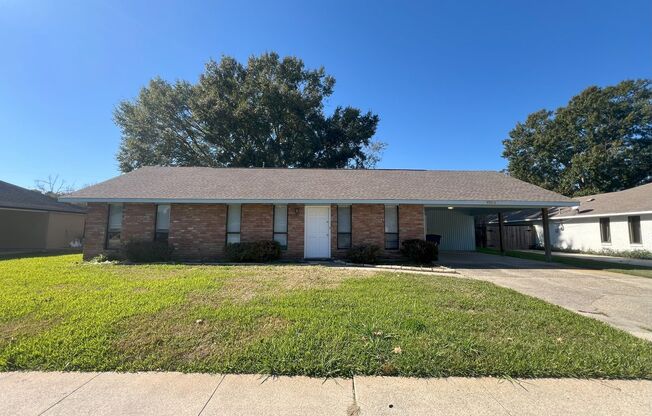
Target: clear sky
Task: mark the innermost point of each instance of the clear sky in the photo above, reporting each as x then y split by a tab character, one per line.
449	79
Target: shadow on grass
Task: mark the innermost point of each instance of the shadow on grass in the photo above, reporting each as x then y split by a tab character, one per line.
16	254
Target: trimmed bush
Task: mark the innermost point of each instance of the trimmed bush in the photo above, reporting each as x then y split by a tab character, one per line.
139	251
420	251
255	252
366	253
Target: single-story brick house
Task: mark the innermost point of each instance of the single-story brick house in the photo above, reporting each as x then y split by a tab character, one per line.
313	213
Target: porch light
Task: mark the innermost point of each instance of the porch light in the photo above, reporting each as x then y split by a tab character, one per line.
450	207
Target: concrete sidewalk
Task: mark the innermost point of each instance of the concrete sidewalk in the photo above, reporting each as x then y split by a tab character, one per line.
37	393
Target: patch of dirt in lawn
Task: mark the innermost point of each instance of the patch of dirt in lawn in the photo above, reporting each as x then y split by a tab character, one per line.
177	335
256	281
24	327
206	326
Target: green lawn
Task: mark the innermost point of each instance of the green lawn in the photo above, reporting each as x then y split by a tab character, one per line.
57	313
633	270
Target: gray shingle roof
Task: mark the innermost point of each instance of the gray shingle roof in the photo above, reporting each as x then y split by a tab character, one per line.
638	199
197	184
12	196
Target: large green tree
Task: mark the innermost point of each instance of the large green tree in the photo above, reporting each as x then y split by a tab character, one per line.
600	142
269	112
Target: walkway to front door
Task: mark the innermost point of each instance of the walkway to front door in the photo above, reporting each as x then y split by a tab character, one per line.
317	234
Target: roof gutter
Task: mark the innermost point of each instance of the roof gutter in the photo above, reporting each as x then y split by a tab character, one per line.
576	217
608	214
63	211
431	203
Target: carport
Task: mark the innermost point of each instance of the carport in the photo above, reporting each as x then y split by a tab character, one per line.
455	223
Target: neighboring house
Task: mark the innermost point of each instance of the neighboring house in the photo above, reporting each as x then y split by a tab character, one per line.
312	213
30	220
615	221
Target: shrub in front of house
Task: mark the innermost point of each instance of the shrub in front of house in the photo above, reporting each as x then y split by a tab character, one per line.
139	251
255	252
420	251
365	253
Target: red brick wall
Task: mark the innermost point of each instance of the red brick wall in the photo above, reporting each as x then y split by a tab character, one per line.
138	222
410	222
368	224
296	220
198	231
257	222
95	230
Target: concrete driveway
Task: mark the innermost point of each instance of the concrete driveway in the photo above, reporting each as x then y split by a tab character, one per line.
620	300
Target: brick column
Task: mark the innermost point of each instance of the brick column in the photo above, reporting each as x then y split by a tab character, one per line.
410	222
198	231
138	222
95	229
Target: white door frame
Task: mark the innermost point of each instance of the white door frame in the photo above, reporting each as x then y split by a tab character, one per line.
305	229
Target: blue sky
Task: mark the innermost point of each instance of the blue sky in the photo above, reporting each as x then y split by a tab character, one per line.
449	79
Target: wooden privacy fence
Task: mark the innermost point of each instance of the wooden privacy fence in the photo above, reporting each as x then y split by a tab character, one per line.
516	237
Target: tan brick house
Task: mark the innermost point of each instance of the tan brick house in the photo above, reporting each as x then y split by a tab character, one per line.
312	213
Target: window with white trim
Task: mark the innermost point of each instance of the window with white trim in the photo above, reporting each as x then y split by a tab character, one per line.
344	227
114	226
634	224
605	230
391	227
281	225
162	223
233	223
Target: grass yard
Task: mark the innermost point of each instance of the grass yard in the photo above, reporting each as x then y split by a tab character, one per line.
633	270
57	313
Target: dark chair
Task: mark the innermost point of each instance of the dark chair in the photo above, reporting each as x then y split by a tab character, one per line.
435	238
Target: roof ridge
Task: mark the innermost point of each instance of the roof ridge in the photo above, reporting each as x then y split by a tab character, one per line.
14	196
613	192
326	169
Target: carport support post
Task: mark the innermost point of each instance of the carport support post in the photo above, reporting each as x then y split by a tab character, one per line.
546	234
501	234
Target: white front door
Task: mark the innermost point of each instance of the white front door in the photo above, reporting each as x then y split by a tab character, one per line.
318	232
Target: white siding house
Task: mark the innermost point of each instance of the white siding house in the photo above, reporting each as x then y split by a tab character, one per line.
615	221
584	233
